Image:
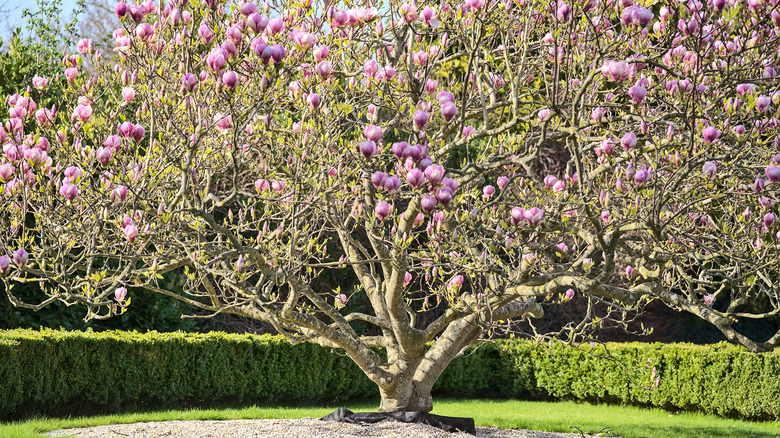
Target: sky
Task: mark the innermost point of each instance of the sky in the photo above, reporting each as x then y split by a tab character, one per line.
14	18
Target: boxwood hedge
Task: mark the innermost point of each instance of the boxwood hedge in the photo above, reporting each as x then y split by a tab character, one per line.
59	372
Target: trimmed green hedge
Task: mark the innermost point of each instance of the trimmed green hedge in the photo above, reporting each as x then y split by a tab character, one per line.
55	372
58	372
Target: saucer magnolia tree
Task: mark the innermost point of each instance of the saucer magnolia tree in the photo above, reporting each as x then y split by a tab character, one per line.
254	148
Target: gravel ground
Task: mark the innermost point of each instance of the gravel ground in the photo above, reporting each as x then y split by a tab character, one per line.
304	428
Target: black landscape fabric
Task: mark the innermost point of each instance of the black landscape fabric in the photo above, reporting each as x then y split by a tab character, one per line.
449	424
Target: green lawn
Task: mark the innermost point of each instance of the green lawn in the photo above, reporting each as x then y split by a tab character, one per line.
550	416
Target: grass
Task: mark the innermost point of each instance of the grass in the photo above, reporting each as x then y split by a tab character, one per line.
624	421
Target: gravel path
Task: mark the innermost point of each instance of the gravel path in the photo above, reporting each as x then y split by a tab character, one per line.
304	428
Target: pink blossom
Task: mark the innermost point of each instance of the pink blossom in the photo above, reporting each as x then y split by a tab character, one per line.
128	94
415	178
373	132
420	119
407	278
69	191
5	264
434	173
324	69
392	184
341	301
104	155
516	215
710	134
428	203
534	215
773	173
120	294
131	232
21	257
85	46
709	169
382	210
40	83
368	149
709	300
569	294
455	283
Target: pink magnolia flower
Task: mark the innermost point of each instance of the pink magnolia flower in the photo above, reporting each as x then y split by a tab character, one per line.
415	178
230	79
382	210
709	299
120	193
710	134
444	196
341	301
373	132
550	181
40	83
448	111
488	191
82	112
392	184
21	257
370	68
320	53
637	94
516	215
434	173
324	69
429	17
5	264
313	101
773	173
407	278
409	11
502	182
763	104
569	294
104	155
616	71
420	119
120	294
428	203
128	94
368	149
709	169
6	172
144	31
455	283
534	215
769	220
641	176
131	232
85	46
69	191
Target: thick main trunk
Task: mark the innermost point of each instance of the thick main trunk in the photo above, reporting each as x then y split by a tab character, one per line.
406	396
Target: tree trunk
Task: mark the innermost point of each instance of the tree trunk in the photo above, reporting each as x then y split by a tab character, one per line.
406	395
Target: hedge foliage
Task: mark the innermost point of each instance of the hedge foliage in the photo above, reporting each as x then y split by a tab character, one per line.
57	372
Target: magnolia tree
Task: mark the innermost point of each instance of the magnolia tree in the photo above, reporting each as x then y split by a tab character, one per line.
254	148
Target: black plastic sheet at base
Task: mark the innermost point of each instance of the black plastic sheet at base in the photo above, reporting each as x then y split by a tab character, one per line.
448	424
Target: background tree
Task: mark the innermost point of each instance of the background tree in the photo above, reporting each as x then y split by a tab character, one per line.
255	148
